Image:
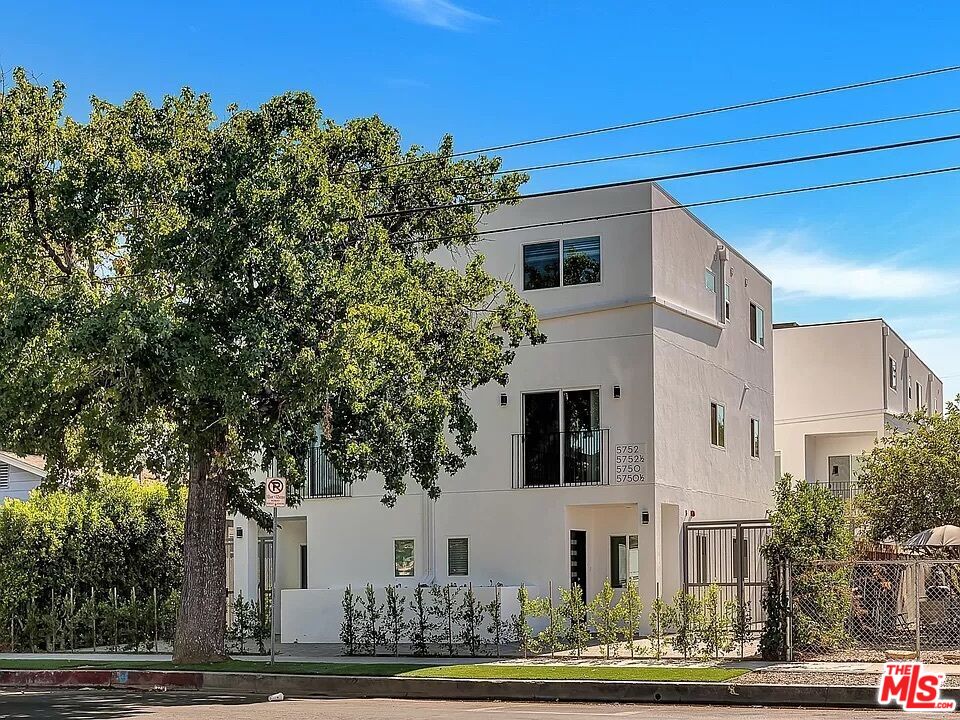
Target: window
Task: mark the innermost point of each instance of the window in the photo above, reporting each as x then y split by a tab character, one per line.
4	476
919	396
542	267
710	280
754	437
726	301
893	373
458	556
756	324
403	558
562	441
718	425
581	261
624	559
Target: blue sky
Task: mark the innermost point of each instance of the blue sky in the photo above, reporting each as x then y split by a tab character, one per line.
501	70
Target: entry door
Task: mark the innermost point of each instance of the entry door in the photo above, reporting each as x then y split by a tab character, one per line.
578	559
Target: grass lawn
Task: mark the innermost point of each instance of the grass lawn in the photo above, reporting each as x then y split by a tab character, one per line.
465	671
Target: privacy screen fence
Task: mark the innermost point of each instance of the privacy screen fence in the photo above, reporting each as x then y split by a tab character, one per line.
871	609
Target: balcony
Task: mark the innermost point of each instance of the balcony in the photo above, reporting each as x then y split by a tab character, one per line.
322	480
561	459
844	489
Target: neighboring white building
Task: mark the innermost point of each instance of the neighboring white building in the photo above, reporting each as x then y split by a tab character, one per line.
650	404
19	475
839	387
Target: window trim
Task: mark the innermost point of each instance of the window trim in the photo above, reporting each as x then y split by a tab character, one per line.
715	425
892	377
458	537
761	326
413	570
755	440
560	241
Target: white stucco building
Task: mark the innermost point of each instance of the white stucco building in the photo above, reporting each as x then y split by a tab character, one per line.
19	475
839	387
651	403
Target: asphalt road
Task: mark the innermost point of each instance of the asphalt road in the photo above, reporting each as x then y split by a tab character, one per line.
98	705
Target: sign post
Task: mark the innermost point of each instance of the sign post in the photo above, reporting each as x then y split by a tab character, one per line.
275	496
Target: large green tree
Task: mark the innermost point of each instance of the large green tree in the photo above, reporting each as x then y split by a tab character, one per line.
197	295
910	480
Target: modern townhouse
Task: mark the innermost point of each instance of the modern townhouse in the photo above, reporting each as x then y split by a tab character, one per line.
19	475
650	404
839	387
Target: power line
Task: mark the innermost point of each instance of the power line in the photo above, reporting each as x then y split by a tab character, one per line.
669	118
674	176
686	206
680	148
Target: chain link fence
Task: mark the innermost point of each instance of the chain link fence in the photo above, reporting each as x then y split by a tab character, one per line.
876	609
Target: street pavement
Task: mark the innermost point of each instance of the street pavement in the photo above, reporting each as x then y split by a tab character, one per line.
107	705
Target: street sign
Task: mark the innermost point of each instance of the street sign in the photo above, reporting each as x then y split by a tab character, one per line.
276	492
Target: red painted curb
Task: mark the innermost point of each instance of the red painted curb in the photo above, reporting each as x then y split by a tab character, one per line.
138	679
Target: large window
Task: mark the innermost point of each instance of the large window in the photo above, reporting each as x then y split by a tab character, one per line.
756	324
403	558
754	437
624	559
561	437
542	266
726	301
458	557
718	425
710	280
893	373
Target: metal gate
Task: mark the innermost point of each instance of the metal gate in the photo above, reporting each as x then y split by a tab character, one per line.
726	554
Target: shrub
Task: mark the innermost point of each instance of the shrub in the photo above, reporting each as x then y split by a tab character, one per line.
659	620
520	629
606	619
685	619
371	632
421	626
630	614
350	625
497	630
470	622
714	627
395	624
573	610
443	609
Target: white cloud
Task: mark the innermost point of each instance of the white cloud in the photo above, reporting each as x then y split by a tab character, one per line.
438	13
809	272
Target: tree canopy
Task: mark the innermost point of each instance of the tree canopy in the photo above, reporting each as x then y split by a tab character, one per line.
196	295
910	481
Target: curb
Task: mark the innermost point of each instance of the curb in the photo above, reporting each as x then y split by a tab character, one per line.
596	691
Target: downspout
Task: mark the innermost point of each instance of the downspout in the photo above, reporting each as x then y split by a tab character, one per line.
884	366
906	374
428	532
722	256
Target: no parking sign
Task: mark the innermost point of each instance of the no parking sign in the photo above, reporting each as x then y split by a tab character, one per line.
276	492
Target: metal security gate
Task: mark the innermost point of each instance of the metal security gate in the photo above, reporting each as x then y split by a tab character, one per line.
726	554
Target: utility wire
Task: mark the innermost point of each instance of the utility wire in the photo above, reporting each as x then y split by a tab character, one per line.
678	148
685	206
672	176
668	118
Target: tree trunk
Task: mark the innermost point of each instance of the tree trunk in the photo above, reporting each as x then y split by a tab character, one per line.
202	621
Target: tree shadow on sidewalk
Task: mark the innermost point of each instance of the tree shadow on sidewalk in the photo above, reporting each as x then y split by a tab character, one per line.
105	704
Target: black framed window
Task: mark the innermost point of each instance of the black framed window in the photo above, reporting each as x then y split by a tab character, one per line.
581	261
403	555
754	437
458	557
718	425
541	265
624	559
756	324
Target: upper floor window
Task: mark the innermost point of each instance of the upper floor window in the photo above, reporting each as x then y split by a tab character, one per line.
892	372
756	324
919	396
718	425
710	280
542	266
726	301
754	437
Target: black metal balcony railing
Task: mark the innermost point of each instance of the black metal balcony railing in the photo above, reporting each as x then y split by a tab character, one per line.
561	459
843	489
322	480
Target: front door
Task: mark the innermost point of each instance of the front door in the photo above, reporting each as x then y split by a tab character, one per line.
578	559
